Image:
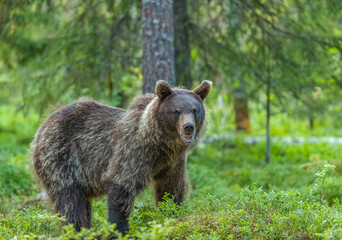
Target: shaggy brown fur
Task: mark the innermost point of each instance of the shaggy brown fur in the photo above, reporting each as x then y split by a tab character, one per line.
87	149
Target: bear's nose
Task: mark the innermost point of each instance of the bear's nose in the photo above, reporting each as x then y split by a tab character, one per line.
189	128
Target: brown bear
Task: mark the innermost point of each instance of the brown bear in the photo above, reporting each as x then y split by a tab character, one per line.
88	149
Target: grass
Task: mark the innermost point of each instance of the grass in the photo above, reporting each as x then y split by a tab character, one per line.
233	194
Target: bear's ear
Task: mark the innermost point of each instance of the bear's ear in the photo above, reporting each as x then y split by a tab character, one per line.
203	89
163	89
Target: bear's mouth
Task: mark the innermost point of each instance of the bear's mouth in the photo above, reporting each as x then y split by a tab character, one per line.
188	138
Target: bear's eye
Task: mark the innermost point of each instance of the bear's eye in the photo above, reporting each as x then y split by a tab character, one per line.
176	113
194	111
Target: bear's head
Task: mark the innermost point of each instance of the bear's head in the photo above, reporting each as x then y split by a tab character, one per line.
182	112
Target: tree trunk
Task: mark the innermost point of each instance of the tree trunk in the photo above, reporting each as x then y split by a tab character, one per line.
241	107
182	47
158	49
240	92
268	115
311	122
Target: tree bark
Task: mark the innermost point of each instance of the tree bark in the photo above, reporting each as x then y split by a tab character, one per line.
182	46
158	43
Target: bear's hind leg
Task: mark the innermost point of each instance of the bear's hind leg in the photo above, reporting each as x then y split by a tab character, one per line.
72	203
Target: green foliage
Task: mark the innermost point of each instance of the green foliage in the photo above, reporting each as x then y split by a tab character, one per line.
222	167
249	214
147	214
104	229
255	214
30	223
16	129
14	177
59	51
16	132
321	178
38	223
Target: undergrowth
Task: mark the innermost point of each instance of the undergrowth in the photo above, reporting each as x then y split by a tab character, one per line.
252	213
233	194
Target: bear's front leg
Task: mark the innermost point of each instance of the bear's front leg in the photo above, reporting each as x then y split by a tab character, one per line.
172	181
120	203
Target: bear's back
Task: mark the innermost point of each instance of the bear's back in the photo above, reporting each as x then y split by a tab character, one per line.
75	143
83	116
140	103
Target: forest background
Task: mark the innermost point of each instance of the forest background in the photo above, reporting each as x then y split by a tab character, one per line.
271	164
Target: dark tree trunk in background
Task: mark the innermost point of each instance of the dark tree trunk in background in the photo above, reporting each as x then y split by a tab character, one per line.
158	48
311	121
182	47
240	96
241	107
268	115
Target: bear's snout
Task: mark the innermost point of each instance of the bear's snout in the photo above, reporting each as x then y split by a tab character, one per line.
188	133
189	128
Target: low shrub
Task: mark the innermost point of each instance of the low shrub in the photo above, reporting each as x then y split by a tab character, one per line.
15	178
